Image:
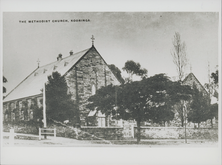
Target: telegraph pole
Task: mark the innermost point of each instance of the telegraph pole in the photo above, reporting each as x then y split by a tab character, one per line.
44	109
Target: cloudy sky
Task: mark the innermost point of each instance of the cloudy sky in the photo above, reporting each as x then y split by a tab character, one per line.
145	37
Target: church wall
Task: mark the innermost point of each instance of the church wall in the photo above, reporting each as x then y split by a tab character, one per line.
89	74
19	110
92	72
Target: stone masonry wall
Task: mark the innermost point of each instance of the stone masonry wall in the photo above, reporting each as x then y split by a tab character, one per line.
191	80
15	110
92	72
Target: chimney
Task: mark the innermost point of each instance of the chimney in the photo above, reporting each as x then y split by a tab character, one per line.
59	58
71	52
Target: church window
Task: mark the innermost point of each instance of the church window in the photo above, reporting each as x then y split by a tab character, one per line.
54	68
31	115
93	89
44	70
36	73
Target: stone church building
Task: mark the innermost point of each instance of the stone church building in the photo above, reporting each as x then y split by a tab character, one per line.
191	80
84	71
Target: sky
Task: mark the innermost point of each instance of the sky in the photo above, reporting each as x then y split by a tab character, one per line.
144	37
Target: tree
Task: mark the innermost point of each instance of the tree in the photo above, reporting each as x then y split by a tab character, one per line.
59	105
133	68
37	114
4	81
199	107
179	55
139	100
116	71
177	96
214	111
180	60
212	88
214	76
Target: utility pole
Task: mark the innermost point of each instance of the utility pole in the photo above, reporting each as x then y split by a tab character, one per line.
44	109
185	121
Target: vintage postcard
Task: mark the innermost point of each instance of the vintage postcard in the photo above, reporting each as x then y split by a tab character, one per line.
84	84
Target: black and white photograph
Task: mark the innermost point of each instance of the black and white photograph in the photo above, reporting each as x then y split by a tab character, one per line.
142	81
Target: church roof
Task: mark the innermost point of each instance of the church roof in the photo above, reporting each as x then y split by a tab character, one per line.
32	84
190	79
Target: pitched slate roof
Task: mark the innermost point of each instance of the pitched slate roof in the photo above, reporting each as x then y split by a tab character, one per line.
32	84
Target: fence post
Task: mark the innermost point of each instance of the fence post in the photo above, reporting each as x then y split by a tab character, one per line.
11	137
54	132
132	130
39	133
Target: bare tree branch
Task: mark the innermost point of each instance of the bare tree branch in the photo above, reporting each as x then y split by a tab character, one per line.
179	55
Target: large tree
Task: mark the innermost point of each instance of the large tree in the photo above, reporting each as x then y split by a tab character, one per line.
133	68
199	107
212	88
180	60
59	105
139	100
116	71
179	55
214	76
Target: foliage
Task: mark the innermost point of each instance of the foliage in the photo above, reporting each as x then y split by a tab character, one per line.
116	71
213	111
214	76
179	55
183	96
133	68
199	107
212	87
151	98
4	81
213	91
59	105
37	111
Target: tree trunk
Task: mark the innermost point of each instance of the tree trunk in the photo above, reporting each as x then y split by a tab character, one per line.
138	131
182	121
106	121
198	125
211	121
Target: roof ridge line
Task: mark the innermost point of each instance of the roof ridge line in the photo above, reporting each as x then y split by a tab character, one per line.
200	83
64	58
191	73
20	83
78	59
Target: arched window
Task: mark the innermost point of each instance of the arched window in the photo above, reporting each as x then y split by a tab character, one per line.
93	89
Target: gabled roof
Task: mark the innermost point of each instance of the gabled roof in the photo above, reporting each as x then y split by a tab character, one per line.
32	84
194	79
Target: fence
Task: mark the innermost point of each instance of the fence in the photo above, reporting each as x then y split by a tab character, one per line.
46	131
12	134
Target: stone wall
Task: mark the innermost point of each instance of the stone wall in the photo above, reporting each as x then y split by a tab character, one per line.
107	133
20	110
192	80
177	133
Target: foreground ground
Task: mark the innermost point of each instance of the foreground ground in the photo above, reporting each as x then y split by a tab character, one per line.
67	142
